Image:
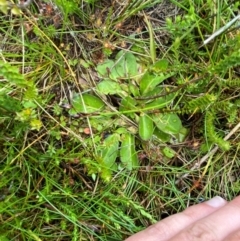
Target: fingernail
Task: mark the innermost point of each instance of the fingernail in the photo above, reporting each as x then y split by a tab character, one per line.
216	202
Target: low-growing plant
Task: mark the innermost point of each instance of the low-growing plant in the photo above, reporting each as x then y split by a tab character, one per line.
106	125
17	97
136	91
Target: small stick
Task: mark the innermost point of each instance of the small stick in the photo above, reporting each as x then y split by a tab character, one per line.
221	30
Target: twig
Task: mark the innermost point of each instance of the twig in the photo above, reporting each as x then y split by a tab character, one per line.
212	152
221	30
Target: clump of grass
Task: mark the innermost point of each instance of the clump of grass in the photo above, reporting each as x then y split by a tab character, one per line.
105	120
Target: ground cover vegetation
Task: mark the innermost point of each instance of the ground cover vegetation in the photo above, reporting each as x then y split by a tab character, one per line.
114	114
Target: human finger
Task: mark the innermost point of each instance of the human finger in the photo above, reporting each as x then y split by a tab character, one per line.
169	227
216	226
233	237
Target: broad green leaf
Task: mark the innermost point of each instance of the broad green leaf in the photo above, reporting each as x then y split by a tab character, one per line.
164	137
150	81
138	47
160	102
87	104
29	104
124	66
16	11
104	68
169	123
4	6
128	155
121	130
155	92
133	89
182	134
111	70
4	9
145	127
126	63
131	64
107	154
110	149
168	152
160	66
109	87
117	72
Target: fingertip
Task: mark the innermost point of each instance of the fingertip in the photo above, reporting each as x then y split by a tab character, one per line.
216	202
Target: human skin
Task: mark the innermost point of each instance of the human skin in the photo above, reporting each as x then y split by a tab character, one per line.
214	220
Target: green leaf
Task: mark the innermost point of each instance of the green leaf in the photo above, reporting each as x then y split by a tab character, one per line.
168	152
145	127
110	151
152	39
4	6
121	130
3	238
150	81
160	66
160	102
87	104
128	155
16	11
4	9
3	3
104	68
108	154
109	87
126	64
29	104
11	73
182	134
133	89
164	137
9	103
169	123
128	103
155	92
